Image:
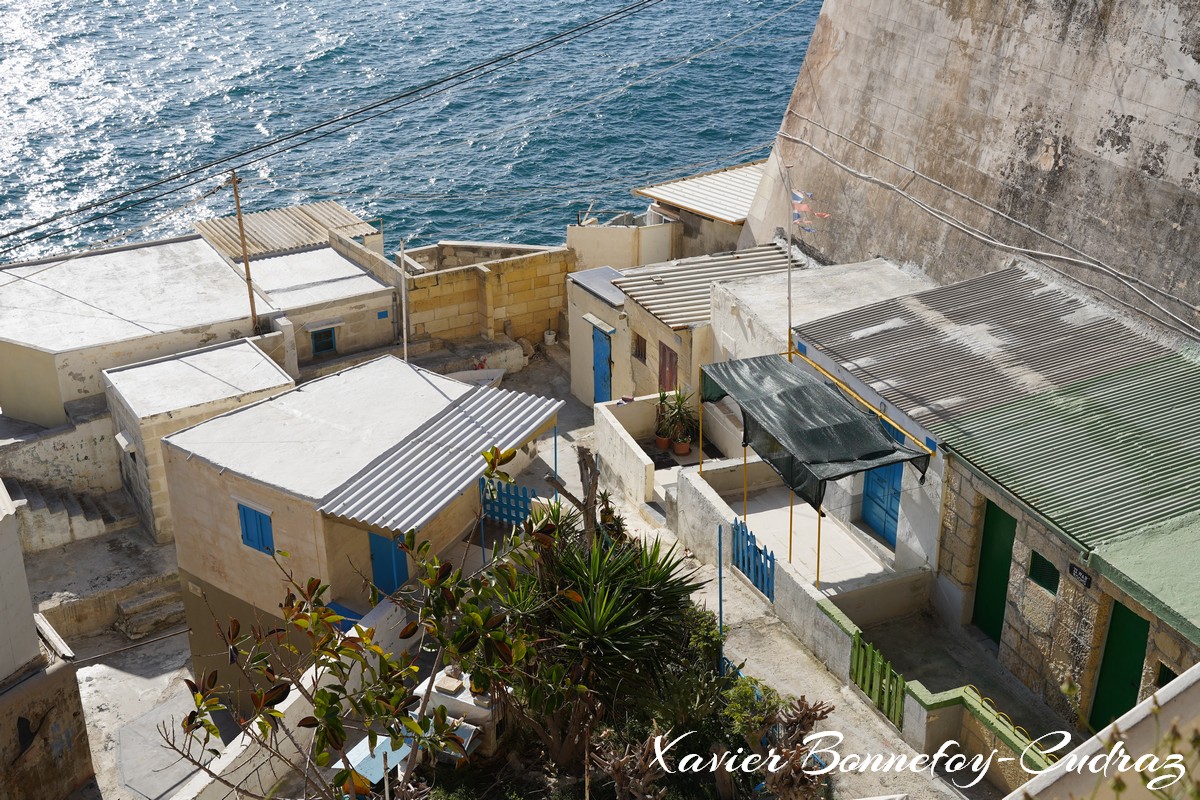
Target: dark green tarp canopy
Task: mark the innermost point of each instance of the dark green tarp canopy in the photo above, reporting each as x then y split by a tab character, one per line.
808	431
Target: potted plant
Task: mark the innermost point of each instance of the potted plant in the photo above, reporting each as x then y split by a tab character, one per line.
663	424
682	421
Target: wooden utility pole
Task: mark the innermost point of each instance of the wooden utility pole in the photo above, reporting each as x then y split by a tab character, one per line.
237	203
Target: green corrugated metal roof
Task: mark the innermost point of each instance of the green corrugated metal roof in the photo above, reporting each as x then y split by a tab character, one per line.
1100	457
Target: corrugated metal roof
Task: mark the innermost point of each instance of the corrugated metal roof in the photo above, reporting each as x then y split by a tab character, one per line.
406	486
679	292
723	194
282	230
1088	421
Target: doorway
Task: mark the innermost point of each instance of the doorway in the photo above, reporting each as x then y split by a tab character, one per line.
995	562
1120	677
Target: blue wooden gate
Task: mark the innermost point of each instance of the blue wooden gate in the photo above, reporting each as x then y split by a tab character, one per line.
601	366
754	561
511	502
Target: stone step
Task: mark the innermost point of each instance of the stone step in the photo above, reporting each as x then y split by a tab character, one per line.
34	501
16	492
90	509
117	512
54	502
132	606
151	620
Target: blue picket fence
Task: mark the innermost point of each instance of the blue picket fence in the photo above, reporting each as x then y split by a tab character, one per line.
754	561
511	502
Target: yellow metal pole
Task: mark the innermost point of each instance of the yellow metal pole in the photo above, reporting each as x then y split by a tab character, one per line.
818	547
701	437
791	497
857	397
744	490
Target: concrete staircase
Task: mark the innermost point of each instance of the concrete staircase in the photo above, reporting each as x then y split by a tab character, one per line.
51	517
144	614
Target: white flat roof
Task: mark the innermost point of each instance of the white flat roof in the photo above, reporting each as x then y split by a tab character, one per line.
313	439
131	292
118	294
196	377
306	278
819	292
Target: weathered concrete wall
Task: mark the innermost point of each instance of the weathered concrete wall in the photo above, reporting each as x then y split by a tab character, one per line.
142	471
579	302
655	332
1079	119
58	760
81	457
19	645
623	463
356	323
1047	638
29	385
900	595
703	236
621	246
79	370
208	541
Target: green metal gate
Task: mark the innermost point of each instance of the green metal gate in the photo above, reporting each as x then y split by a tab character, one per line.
875	676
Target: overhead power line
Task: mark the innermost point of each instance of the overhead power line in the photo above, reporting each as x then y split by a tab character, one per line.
329	126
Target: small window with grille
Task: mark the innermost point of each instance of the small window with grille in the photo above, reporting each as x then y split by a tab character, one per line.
639	347
1043	573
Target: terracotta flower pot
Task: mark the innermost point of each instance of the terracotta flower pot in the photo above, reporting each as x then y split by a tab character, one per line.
682	448
663	442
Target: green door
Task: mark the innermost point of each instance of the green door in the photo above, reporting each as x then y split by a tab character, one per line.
995	560
1121	669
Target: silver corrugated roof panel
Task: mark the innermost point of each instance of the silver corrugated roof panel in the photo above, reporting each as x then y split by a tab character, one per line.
406	486
1053	396
723	194
678	292
283	230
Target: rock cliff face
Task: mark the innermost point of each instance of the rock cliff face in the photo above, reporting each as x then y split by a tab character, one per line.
1078	118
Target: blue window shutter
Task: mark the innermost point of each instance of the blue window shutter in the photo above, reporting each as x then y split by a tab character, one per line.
266	536
249	527
256	529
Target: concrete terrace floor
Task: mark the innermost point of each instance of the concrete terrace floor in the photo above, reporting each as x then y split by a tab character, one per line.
125	696
845	559
922	648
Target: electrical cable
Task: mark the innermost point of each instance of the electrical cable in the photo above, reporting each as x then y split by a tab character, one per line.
525	123
353	117
674	173
1035	255
1093	260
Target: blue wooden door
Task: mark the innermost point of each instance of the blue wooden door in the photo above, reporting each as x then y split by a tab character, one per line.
601	366
881	496
389	565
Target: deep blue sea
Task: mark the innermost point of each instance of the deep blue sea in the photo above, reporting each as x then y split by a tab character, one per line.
101	96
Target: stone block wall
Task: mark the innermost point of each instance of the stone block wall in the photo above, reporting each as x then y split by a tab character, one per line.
357	323
1047	638
475	290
